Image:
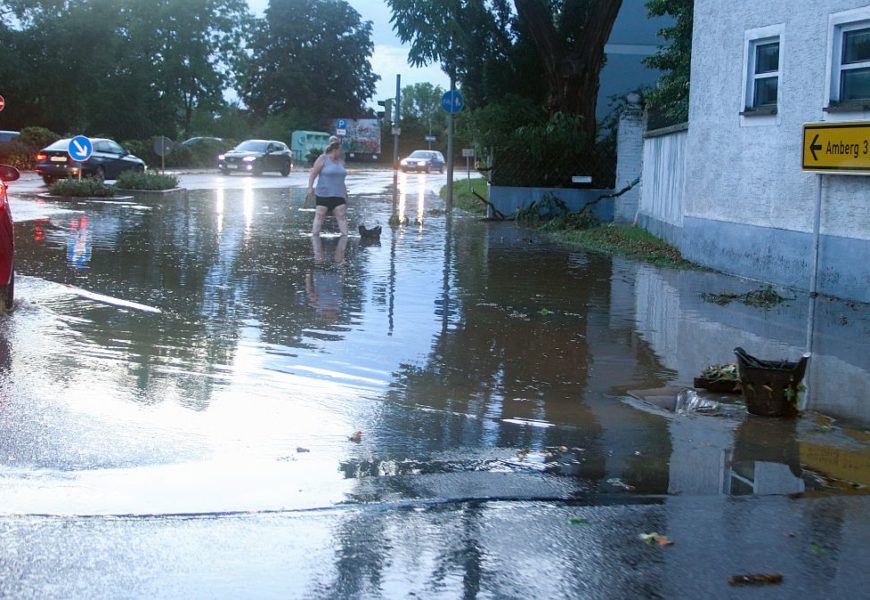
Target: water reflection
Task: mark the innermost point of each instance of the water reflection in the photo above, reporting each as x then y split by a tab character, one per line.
465	348
324	282
79	245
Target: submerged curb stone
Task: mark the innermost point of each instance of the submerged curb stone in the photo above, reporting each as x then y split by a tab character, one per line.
46	196
160	193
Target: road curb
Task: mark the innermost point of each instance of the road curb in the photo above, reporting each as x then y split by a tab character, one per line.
158	193
46	196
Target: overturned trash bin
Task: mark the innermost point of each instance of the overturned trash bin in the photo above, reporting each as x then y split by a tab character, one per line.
770	387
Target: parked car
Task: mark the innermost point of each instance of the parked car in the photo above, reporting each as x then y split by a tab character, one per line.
108	160
201	139
7	242
8	136
423	160
257	157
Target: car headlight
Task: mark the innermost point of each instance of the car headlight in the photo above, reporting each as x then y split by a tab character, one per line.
221	156
249	158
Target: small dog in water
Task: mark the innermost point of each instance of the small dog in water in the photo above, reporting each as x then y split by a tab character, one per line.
372	235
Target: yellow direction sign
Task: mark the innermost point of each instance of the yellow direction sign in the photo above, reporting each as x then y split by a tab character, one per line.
837	147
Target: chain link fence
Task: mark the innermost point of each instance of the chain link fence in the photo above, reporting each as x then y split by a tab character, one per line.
513	165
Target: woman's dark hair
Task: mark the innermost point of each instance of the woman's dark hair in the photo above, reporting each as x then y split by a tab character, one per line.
332	146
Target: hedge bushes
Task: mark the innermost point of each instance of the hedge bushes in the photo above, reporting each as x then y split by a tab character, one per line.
201	154
84	188
21	152
134	180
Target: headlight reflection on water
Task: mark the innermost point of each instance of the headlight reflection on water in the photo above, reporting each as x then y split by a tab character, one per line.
219	209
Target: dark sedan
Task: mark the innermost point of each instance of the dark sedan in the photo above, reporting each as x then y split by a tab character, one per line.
257	157
107	161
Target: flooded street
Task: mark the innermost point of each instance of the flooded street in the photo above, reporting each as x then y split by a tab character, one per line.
388	418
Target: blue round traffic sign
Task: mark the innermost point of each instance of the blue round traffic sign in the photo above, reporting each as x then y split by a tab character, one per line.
452	102
80	148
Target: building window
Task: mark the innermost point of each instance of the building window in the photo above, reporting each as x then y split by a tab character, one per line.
763	75
851	73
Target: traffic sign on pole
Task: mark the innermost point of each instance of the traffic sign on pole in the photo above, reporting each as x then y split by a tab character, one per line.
2	103
836	147
341	131
80	148
341	124
452	102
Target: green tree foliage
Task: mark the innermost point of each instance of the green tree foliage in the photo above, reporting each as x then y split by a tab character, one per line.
310	57
421	113
671	98
128	68
548	50
472	40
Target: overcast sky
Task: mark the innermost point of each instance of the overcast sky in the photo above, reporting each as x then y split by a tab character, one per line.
390	57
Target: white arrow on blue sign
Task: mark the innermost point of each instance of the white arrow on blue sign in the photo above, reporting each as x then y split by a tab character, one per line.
80	148
452	102
341	124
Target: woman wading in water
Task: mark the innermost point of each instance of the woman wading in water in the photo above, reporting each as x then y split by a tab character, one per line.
331	191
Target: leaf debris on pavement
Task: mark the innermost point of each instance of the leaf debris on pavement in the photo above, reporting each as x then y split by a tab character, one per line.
656	538
617	482
356	438
755	579
579	521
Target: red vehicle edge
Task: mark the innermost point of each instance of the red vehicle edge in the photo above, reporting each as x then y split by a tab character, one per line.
7	241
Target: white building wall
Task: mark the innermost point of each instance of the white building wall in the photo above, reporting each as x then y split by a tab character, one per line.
748	207
664	180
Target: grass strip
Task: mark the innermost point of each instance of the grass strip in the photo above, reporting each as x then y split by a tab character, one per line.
463	197
625	240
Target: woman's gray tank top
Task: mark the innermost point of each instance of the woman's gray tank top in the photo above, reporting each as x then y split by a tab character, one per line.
330	182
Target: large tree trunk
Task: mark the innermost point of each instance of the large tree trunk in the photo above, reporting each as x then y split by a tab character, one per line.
572	69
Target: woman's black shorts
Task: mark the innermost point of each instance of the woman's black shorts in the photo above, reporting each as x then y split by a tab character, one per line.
330	202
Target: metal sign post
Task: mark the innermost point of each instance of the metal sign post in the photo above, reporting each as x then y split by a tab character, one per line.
830	148
162	146
396	132
468	153
80	149
451	103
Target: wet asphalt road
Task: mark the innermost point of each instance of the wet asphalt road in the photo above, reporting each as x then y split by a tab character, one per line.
183	380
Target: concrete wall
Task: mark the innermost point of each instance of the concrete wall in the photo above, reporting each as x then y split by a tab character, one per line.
629	164
664	181
748	207
509	200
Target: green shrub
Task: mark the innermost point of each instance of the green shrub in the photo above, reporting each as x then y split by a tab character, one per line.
21	152
141	149
37	138
86	187
134	180
201	154
313	154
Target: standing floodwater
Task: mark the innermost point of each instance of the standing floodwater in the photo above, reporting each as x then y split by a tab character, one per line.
206	356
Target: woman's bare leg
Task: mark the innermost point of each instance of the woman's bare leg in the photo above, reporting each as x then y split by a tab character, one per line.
340	213
319	214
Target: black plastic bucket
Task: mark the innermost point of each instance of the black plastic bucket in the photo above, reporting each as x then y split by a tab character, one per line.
770	387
